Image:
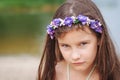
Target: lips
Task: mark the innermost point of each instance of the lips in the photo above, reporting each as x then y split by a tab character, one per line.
78	63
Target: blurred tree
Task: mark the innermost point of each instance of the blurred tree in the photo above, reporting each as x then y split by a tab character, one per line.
23	24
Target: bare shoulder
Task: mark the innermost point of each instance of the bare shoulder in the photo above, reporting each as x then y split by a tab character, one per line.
60	70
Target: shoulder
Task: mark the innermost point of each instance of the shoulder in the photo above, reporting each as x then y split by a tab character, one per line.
60	69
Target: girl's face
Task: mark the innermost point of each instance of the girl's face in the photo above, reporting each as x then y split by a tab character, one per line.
79	48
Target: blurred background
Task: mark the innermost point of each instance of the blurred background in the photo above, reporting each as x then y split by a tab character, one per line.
23	29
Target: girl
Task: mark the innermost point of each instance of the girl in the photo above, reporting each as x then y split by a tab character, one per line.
78	46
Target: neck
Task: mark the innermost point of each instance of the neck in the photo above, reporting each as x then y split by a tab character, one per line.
82	73
85	72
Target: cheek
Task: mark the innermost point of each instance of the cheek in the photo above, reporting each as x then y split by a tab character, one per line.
91	54
65	54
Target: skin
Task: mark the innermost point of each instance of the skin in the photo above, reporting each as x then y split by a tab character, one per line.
79	49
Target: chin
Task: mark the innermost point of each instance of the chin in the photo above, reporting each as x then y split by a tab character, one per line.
79	67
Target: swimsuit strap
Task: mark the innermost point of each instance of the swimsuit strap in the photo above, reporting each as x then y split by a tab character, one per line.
90	74
68	72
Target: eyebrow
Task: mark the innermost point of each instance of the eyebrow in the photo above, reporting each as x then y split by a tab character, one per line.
77	42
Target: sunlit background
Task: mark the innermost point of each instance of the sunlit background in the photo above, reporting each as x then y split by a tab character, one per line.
23	29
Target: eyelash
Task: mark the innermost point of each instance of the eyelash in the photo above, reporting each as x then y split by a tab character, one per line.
64	45
83	43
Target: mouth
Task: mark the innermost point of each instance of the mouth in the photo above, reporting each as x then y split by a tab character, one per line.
78	63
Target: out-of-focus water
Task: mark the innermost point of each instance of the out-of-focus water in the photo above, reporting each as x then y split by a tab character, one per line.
111	13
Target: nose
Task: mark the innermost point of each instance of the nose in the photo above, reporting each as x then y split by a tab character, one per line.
75	54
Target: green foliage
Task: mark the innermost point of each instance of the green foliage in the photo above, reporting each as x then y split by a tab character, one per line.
22	21
28	2
16	17
23	24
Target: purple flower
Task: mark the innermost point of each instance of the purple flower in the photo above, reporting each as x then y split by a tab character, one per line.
68	21
50	29
99	29
56	22
95	25
82	19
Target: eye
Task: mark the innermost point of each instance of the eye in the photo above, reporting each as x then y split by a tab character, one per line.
65	46
83	43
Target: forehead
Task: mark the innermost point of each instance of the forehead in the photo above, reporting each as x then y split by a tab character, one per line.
77	35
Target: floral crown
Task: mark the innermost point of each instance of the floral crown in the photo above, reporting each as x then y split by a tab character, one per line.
68	21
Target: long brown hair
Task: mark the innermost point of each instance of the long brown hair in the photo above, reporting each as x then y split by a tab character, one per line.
106	59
